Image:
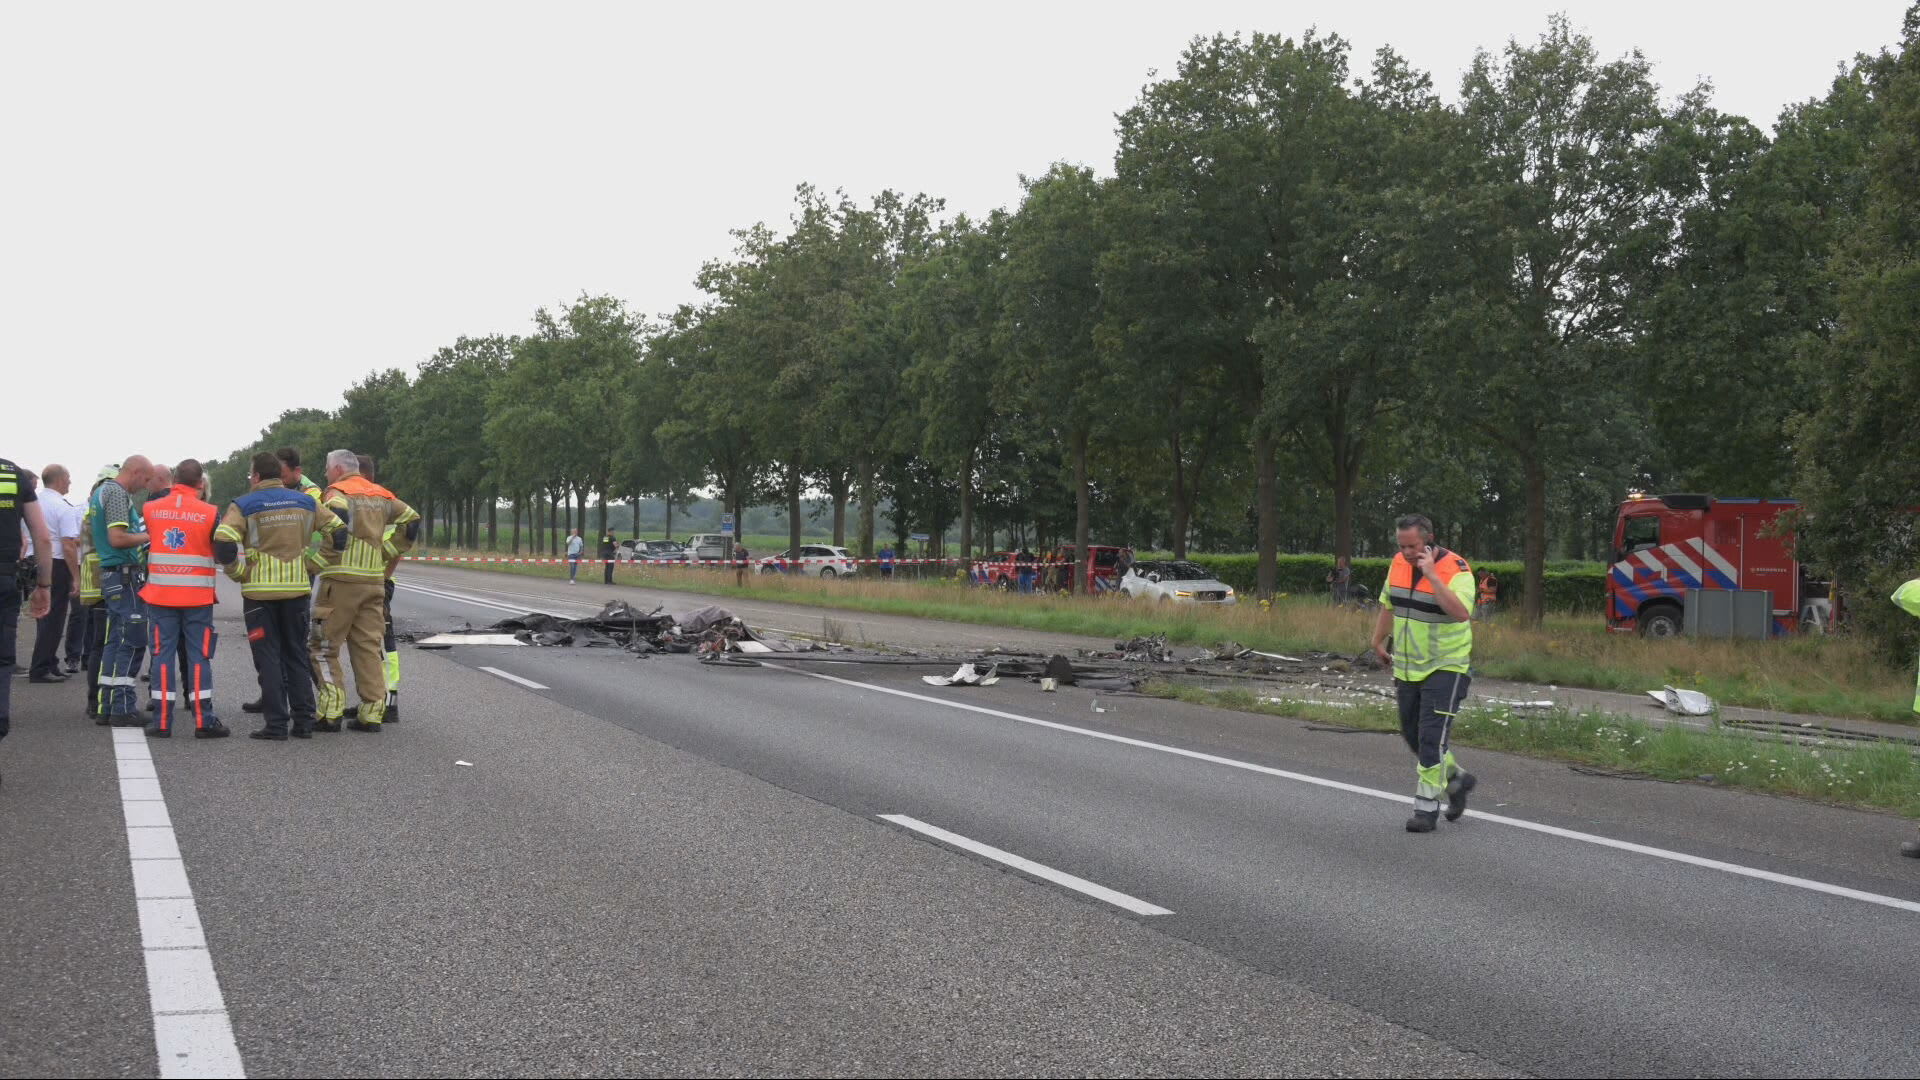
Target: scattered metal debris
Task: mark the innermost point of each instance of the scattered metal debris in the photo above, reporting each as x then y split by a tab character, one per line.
966	675
1683	702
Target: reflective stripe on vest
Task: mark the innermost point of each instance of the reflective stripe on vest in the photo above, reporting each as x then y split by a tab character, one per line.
1425	638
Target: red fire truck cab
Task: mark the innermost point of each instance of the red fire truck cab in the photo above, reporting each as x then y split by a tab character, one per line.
1666	545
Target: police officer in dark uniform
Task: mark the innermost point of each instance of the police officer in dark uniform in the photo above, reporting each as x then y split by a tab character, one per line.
19	503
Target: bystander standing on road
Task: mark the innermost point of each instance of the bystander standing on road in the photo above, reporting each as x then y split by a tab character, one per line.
117	538
1489	596
1340	580
1025	561
63	536
1424	606
575	546
608	547
886	562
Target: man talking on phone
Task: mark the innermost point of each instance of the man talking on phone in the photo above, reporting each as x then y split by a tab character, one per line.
1426	605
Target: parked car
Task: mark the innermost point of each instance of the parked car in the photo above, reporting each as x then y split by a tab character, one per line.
710	547
816	559
650	551
1175	582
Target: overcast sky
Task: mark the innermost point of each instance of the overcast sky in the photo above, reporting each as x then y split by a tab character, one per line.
214	213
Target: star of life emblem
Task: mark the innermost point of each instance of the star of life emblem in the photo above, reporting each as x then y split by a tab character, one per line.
175	538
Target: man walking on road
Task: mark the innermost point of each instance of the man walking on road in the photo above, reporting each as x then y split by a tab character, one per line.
1424	605
575	545
19	506
179	594
63	539
349	607
118	540
262	542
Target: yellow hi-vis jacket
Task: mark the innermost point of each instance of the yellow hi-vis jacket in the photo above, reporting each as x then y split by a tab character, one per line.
1425	638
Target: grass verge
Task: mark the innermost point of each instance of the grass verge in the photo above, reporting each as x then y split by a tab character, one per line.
1827	676
1873	777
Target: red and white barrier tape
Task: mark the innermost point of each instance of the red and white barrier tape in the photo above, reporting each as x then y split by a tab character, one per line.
810	561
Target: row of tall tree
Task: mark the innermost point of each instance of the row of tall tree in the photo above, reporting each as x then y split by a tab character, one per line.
1306	298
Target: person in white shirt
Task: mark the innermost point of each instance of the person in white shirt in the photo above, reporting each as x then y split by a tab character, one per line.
63	535
575	545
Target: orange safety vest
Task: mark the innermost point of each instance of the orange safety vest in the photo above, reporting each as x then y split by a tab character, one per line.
180	565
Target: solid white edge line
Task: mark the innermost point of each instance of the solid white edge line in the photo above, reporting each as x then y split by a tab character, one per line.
1755	873
1028	866
511	677
192	1030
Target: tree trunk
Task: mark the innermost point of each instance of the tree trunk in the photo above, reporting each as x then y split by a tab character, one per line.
493	521
966	515
795	483
518	503
1343	480
636	528
1536	546
866	478
1182	502
636	515
1082	515
1264	453
839	485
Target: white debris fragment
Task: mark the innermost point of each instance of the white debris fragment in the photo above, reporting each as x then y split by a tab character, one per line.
1683	702
965	675
1513	703
465	764
470	639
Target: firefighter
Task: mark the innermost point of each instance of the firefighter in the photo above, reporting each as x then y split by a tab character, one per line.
1424	607
179	595
1908	597
348	608
263	543
390	657
292	478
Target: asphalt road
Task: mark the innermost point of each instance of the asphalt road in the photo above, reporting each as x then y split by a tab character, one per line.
572	861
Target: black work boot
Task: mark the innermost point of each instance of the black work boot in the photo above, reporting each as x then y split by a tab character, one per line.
155	731
393	708
361	725
257	705
1457	789
1911	849
1423	821
352	712
326	725
215	730
263	733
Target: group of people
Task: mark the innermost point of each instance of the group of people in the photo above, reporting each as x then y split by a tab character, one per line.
118	580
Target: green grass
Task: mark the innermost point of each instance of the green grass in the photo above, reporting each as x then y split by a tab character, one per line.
1827	676
1875	777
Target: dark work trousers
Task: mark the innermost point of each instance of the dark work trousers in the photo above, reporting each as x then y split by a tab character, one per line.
9	635
277	635
51	629
609	577
77	623
1427	709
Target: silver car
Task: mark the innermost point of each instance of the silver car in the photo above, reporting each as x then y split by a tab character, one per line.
1175	582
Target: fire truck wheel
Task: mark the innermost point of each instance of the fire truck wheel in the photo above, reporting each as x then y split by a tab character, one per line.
1660	621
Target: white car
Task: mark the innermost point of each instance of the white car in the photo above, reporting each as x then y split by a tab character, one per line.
1175	582
818	560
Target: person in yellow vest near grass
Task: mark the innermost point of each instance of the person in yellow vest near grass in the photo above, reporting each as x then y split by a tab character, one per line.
349	608
1425	606
1908	598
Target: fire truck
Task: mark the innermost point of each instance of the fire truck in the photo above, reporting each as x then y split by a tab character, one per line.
1666	545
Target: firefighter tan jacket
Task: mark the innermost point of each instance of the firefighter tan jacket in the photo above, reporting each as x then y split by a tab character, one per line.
379	529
